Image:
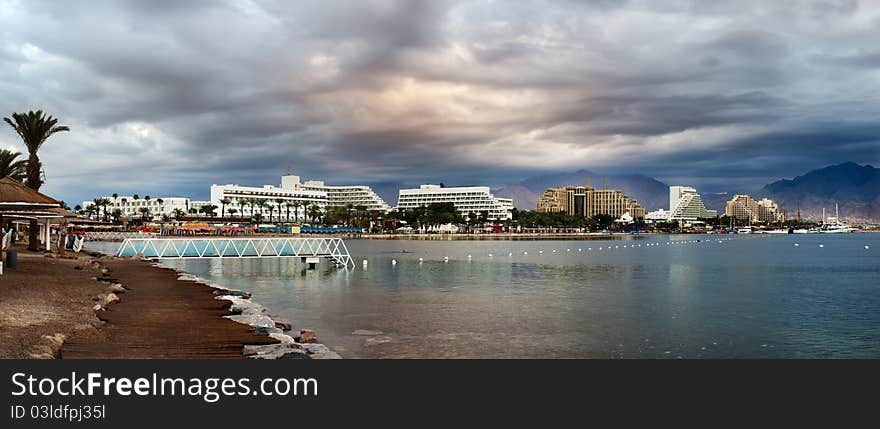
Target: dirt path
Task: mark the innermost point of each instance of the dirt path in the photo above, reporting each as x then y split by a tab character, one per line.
46	300
161	317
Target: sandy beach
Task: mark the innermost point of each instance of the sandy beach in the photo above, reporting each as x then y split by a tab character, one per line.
46	300
76	307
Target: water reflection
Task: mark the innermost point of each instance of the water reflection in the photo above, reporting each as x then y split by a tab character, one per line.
747	297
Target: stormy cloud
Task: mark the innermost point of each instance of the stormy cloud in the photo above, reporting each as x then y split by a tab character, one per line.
168	97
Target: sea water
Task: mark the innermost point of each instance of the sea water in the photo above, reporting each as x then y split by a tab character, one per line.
687	296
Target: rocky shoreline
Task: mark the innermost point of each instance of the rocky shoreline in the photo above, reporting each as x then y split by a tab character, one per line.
243	310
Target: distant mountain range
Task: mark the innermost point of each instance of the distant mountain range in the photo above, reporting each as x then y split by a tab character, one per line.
856	188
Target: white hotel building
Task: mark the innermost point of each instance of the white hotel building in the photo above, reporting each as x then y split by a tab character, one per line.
685	205
131	207
466	199
292	191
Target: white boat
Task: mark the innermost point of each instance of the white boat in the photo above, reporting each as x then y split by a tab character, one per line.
777	231
836	227
746	230
806	231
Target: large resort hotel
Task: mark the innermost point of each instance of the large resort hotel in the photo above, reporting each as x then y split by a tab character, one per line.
587	202
467	199
302	195
685	205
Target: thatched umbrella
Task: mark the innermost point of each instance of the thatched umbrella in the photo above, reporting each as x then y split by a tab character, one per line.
17	201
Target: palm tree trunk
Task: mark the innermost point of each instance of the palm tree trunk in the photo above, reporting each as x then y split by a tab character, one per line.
33	236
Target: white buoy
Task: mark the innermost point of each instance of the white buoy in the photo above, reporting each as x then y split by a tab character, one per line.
490	255
821	245
580	249
616	247
554	250
539	252
867	247
525	253
469	257
421	259
365	263
445	258
394	262
568	250
600	248
796	244
510	254
589	248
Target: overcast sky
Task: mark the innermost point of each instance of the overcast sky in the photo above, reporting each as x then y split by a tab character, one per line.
167	97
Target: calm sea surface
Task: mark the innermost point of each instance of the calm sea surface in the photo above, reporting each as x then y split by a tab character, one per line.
749	296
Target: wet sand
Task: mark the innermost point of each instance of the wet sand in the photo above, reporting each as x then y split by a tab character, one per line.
47	310
161	317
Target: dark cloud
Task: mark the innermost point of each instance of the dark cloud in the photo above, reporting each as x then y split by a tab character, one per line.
169	97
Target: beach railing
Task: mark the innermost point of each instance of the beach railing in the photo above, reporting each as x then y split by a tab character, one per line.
228	247
115	235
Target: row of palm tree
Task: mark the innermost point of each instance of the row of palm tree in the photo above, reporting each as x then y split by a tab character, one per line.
34	128
280	207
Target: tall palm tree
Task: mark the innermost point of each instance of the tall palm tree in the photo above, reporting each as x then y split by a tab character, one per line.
116	214
271	210
296	205
314	212
232	212
278	204
145	211
223	203
178	214
34	128
287	206
161	204
11	166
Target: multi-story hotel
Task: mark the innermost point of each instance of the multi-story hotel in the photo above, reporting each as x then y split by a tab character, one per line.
588	202
745	208
685	204
466	200
131	206
295	196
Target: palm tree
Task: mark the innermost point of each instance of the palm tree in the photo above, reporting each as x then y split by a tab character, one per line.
232	212
78	208
287	206
261	204
278	203
34	128
296	205
223	203
271	210
12	167
314	212
135	197
161	204
144	211
117	214
178	214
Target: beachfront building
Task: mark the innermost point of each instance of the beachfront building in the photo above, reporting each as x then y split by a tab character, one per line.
685	204
657	216
131	207
344	196
250	200
587	202
744	207
295	197
466	199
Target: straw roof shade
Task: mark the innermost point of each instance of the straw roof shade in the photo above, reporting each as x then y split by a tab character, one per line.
16	197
